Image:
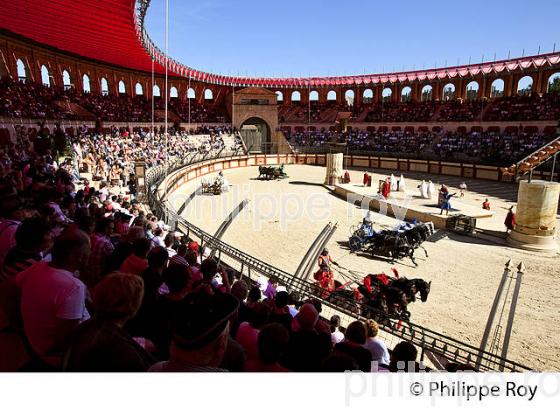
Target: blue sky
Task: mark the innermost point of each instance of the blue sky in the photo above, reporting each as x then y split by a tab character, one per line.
327	37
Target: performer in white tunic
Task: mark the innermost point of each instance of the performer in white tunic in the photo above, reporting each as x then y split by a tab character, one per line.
423	189
402	186
394	186
431	189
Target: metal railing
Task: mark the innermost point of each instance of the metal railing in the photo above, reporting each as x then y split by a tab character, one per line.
427	340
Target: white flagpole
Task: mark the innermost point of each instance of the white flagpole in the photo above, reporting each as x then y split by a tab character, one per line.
153	99
166	64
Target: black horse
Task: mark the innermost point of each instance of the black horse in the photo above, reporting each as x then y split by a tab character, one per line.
392	245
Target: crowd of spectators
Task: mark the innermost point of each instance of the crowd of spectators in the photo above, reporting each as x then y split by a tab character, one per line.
31	100
496	148
90	280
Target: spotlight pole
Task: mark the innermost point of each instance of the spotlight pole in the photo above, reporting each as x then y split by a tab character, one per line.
189	102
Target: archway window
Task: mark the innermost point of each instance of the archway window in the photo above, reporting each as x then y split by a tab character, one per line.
191	93
406	94
331	96
208	94
525	85
86	84
122	87
104	87
296	96
21	71
173	93
138	90
66	81
472	90
387	94
349	97
368	96
427	91
554	83
156	91
497	88
314	96
279	96
448	92
45	77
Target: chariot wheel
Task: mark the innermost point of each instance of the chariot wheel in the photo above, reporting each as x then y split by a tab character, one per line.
355	243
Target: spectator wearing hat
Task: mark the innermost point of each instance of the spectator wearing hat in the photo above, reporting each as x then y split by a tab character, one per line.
200	328
101	344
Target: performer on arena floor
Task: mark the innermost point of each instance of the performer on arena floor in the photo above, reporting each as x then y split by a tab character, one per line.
402	184
446	204
386	189
366	178
346	178
394	185
510	220
324	276
486	205
423	190
431	189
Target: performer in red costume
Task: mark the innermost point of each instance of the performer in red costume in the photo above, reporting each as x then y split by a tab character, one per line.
386	190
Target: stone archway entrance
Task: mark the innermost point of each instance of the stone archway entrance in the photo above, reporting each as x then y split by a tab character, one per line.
257	135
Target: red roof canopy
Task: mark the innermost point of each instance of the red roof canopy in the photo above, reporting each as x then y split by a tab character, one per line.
107	31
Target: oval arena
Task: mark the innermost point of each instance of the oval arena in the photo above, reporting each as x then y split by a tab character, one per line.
208	222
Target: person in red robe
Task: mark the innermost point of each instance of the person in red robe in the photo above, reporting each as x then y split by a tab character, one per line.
366	178
510	220
386	190
346	179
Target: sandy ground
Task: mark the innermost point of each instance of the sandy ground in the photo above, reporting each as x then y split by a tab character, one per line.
284	217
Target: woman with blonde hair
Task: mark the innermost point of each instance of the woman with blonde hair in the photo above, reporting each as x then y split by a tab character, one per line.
376	346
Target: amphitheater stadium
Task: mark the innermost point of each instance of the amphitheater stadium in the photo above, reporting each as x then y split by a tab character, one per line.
152	211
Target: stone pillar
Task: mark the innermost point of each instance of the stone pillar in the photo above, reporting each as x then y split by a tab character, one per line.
334	168
535	225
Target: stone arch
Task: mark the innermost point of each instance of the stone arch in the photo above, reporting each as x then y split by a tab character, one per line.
104	86
208	94
406	94
256	133
314	95
138	89
473	89
66	80
448	92
427	93
21	70
525	85
173	93
296	96
387	94
45	76
86	86
497	88
367	96
553	83
349	97
122	87
191	94
279	96
331	95
156	91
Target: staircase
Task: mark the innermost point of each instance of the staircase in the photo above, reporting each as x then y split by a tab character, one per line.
531	161
79	112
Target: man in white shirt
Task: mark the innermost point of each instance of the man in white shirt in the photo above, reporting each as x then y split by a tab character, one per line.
52	299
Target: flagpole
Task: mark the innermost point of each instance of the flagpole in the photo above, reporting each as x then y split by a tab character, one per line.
153	98
166	69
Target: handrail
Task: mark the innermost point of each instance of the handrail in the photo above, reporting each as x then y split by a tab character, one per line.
446	346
